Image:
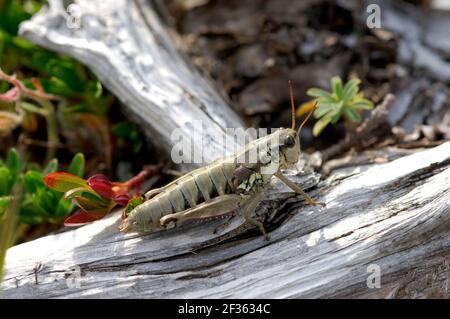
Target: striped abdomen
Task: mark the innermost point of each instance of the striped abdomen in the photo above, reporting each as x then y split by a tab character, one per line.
184	193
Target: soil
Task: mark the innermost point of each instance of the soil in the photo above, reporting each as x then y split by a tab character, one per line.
251	49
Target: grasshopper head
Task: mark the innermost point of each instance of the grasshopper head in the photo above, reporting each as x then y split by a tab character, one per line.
289	146
133	224
289	138
126	225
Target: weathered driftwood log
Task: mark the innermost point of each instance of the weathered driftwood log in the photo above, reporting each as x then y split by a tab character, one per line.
390	217
125	44
393	218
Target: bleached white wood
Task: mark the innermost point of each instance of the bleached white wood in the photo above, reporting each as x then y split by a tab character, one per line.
395	216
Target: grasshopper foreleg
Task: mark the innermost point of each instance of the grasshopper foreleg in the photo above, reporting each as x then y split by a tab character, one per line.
297	189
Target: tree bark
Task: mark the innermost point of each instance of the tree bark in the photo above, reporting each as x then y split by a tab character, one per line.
391	218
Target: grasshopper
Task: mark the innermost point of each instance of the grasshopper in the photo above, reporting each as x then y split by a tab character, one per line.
226	186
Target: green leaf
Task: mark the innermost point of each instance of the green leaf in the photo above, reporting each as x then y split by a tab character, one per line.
14	14
63	209
13	164
56	86
324	108
352	115
76	166
132	204
128	134
362	105
337	114
4	201
63	182
51	167
39	200
33	166
94	89
5	37
29	215
76	108
33	181
88	202
97	200
46	200
315	92
320	125
40	59
336	85
89	194
350	89
122	129
5	181
66	73
23	44
33	108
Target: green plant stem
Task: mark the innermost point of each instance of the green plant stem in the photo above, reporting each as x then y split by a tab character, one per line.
52	130
7	230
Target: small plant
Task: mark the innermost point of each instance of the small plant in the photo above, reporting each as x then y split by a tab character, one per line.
38	204
344	100
127	134
42	204
50	85
96	196
7	230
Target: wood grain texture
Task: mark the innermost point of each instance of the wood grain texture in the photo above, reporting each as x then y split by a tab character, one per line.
394	215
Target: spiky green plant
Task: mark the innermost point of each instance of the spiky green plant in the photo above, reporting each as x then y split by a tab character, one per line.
343	100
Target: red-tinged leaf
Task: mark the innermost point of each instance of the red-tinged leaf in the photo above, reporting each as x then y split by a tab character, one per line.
101	185
79	191
63	182
11	95
137	180
99	178
84	203
120	189
122	199
80	217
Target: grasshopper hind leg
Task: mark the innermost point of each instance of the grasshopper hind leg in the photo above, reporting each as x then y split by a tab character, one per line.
215	208
258	224
221	228
248	211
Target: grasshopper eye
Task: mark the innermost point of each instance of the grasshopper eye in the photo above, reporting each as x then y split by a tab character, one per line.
289	142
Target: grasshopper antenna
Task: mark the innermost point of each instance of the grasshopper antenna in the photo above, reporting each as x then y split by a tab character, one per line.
306	119
291	95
